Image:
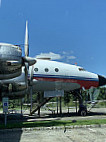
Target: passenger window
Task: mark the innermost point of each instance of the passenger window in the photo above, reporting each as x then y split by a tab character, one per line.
36	69
46	69
56	70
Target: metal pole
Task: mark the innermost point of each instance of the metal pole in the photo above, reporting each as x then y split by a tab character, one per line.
39	103
5	119
5	108
31	98
21	106
60	106
57	105
76	105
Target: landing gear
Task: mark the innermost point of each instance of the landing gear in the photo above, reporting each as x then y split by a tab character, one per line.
82	108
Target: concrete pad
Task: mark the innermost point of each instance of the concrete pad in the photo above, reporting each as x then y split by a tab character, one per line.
68	135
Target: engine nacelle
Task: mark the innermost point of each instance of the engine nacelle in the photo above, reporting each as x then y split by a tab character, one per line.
14	88
10	61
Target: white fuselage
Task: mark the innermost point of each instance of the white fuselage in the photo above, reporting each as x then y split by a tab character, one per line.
51	75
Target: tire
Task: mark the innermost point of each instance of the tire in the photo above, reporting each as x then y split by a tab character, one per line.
83	113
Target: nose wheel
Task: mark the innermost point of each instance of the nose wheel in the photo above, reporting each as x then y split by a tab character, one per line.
82	110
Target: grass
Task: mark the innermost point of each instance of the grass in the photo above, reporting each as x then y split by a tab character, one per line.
52	123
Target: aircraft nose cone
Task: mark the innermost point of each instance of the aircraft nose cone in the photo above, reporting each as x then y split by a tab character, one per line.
102	80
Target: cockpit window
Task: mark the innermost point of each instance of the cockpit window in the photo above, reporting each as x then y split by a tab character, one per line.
81	69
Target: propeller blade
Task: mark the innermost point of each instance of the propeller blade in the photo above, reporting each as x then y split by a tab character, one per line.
29	60
26	48
94	92
26	73
31	77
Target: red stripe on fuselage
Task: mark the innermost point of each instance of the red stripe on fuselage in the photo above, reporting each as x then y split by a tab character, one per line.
83	83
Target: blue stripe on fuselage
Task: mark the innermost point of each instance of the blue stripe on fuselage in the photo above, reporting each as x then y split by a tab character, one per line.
64	77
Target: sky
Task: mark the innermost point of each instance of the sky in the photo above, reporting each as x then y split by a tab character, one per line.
70	31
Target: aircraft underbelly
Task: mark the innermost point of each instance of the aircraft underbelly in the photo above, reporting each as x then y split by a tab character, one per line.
50	86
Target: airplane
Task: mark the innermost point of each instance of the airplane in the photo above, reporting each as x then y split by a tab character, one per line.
47	76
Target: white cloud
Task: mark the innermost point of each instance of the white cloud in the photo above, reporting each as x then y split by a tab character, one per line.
50	55
64	52
63	56
67	53
71	57
68	57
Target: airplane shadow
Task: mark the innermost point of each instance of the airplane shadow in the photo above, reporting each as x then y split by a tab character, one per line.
16	117
71	114
8	135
